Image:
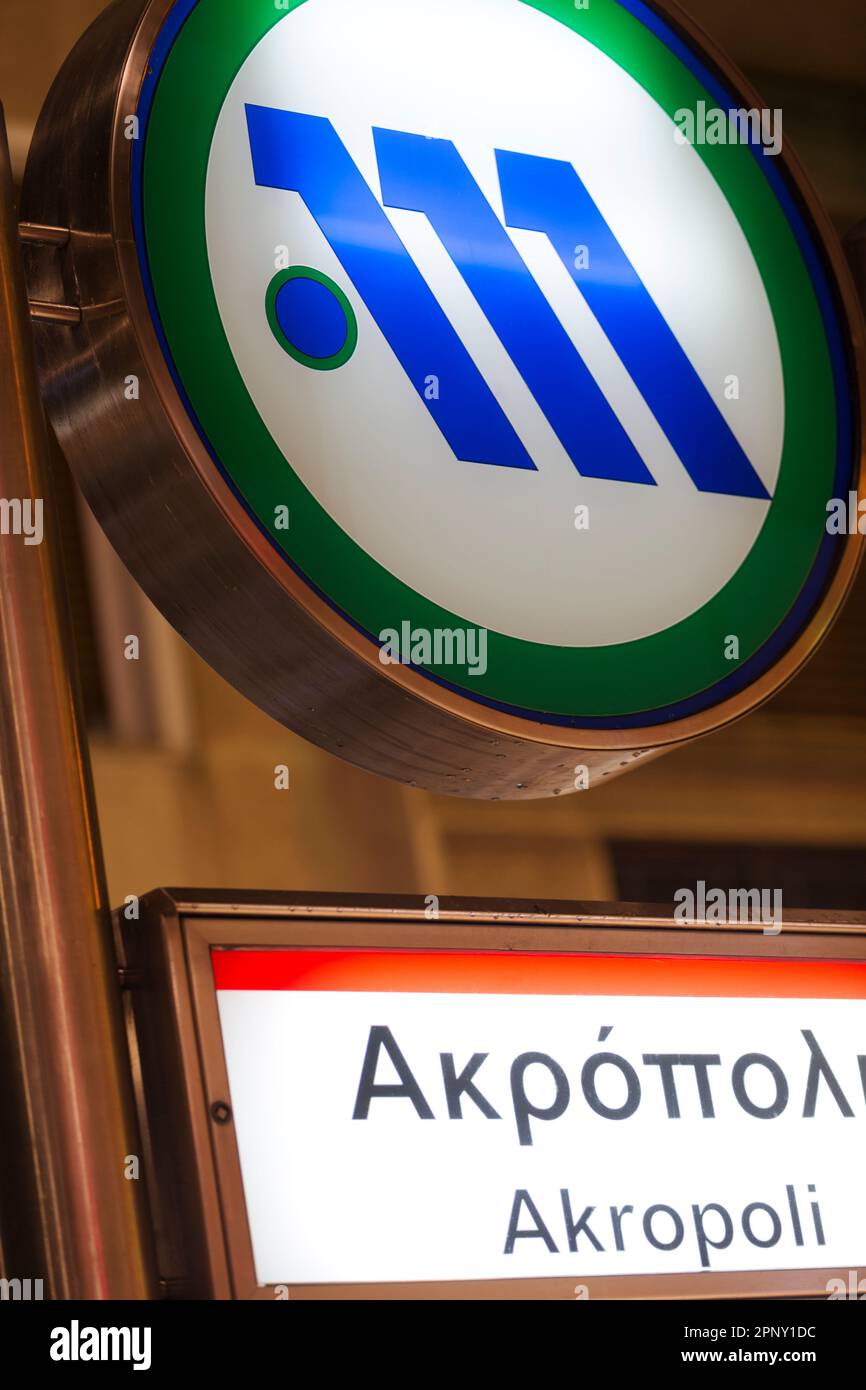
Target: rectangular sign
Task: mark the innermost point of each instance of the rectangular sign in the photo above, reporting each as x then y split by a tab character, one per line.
461	1115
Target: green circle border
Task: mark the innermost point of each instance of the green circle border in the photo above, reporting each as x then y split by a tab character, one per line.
622	679
307	272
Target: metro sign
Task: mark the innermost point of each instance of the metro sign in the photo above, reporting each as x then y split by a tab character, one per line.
304	154
448	330
348	1098
492	1115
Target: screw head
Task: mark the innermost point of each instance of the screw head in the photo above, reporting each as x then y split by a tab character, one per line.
221	1112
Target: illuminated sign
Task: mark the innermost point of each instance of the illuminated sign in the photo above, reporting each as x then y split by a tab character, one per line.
517	1100
491	371
433	1116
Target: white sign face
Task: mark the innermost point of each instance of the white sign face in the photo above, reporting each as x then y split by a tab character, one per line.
418	1116
452	71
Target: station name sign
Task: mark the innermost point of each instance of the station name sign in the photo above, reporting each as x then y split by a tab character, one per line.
464	1115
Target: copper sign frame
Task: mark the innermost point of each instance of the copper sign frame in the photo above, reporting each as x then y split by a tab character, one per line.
191	1154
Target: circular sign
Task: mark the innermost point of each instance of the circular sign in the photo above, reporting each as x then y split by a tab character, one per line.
493	370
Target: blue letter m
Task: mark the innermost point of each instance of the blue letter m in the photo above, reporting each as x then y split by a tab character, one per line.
305	155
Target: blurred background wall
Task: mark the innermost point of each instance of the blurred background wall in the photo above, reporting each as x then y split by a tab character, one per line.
184	766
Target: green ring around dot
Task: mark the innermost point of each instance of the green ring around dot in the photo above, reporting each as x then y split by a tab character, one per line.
305	272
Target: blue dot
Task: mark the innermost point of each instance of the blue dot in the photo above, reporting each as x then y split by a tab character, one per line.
311	317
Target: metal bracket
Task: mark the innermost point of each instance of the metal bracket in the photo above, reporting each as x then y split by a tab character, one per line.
35	232
41	311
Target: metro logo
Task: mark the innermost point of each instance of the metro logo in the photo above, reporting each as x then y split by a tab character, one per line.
305	155
436	277
441	283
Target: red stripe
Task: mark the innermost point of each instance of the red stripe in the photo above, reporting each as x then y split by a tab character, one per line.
513	972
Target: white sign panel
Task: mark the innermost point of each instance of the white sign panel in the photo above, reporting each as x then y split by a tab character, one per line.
422	1116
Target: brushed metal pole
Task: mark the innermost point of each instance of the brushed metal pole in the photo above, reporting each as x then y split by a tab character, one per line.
68	1214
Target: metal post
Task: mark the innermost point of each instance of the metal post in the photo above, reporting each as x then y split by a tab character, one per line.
68	1213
